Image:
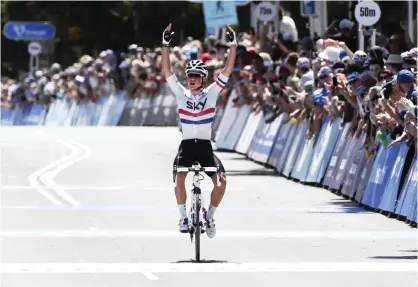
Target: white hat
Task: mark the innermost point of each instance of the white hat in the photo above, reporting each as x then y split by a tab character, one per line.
331	54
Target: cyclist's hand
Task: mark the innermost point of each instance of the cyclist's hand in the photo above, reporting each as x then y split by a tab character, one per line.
232	38
167	35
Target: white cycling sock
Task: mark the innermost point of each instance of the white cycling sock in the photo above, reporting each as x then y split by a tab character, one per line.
182	210
211	211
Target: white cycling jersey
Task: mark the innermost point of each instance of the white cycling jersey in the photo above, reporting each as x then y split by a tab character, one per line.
197	112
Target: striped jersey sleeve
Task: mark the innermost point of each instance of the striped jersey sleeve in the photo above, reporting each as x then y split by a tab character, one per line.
216	87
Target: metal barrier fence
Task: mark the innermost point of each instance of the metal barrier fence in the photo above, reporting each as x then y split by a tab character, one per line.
157	109
330	159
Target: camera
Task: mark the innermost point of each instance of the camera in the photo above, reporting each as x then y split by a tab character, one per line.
334	81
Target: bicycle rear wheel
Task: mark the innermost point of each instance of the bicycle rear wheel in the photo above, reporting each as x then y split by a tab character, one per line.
197	227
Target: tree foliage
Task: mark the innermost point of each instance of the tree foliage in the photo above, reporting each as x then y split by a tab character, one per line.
89	27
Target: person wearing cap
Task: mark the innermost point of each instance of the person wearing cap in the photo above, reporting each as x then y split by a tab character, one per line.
338	67
320	97
346	33
394	63
405	81
304	71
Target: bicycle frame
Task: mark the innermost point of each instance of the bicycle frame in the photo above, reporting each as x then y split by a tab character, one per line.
195	223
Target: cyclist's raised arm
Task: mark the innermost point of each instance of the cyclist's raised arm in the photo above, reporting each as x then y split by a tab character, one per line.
223	77
165	54
171	79
230	62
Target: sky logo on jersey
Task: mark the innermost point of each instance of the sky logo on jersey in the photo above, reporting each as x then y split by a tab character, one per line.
203	117
196	107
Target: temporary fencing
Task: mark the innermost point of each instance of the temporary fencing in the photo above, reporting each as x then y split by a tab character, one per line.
331	159
157	109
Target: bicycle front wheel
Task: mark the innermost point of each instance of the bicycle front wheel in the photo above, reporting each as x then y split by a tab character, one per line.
197	228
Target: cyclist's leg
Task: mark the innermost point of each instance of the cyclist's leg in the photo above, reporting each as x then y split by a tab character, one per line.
208	159
218	191
183	158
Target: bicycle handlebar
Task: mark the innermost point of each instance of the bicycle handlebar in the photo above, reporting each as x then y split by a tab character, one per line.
197	169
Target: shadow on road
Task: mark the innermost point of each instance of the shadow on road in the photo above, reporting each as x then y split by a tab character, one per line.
238	158
256	172
202	261
410	250
348	206
406	257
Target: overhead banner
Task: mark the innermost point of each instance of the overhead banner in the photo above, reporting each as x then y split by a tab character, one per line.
220	13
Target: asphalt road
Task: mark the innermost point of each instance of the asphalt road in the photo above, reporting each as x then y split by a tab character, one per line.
95	207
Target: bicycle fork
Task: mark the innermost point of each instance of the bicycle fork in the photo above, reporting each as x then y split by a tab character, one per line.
196	216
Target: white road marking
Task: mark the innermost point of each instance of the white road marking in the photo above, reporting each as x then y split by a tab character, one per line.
166	188
67	187
149	275
48	174
33	178
148	268
48	178
135	233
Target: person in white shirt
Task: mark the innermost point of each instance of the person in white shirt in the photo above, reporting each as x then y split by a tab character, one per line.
196	107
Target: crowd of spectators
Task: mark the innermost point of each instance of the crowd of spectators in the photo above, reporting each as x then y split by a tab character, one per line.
372	90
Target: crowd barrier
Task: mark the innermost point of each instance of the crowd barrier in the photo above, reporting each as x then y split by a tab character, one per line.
331	159
144	109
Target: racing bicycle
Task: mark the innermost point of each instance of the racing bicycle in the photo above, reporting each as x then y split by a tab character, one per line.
197	211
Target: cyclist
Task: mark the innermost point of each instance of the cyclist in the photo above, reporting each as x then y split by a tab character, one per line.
196	107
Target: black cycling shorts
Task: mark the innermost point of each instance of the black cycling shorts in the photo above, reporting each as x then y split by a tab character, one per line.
197	150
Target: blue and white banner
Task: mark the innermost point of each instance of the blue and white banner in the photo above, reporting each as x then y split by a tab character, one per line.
220	13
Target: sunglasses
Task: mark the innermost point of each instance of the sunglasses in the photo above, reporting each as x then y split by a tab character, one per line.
193	76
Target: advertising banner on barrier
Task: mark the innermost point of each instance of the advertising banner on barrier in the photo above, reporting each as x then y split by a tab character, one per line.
303	160
263	150
227	121
371	179
323	149
295	148
379	176
9	116
406	205
236	128
163	109
279	144
248	133
258	137
136	111
217	121
344	162
288	141
354	167
364	177
335	158
33	115
390	192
